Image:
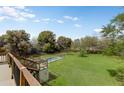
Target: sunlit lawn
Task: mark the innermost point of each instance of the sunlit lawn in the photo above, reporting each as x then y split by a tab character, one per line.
91	70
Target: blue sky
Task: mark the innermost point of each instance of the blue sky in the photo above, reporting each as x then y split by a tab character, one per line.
74	22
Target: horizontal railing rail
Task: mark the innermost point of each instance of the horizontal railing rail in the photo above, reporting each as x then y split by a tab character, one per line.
20	73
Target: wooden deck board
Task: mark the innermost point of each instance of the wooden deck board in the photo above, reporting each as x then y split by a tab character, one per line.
5	76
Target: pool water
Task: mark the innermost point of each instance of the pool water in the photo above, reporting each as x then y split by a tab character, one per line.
54	59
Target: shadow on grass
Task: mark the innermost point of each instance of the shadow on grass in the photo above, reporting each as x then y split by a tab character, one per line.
112	72
119	76
51	77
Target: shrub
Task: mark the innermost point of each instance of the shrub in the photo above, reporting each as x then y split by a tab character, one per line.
83	53
108	51
120	75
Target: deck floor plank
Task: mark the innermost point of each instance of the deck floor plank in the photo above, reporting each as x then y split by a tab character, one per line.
5	76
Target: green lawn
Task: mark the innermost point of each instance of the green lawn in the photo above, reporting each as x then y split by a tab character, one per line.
85	71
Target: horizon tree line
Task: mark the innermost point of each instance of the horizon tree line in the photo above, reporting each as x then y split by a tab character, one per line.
111	43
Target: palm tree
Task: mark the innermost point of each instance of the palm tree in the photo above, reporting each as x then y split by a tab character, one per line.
110	31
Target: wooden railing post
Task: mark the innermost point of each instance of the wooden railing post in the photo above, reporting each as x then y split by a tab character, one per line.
22	79
11	64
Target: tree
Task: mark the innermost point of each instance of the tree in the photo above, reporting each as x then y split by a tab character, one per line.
76	45
2	43
2	40
64	42
89	41
18	42
110	31
46	40
119	21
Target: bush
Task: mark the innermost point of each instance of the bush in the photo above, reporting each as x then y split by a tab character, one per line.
108	51
83	53
120	75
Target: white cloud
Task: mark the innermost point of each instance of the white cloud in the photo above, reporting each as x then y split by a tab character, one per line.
28	15
77	25
3	18
9	11
45	19
16	13
71	18
60	21
21	19
67	17
37	20
75	18
98	30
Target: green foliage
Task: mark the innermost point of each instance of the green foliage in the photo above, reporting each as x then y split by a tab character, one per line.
120	74
64	42
110	31
109	51
46	40
119	21
18	42
113	31
76	45
83	53
3	40
49	48
89	41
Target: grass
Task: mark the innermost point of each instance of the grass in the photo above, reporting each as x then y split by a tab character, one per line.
85	71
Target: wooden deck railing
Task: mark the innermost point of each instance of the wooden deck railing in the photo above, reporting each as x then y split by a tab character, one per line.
20	73
3	57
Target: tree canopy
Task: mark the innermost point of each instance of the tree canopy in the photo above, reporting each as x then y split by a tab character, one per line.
18	42
46	40
64	42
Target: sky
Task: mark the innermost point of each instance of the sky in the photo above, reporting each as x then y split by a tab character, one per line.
70	21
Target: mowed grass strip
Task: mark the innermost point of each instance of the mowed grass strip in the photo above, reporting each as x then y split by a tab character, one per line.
85	71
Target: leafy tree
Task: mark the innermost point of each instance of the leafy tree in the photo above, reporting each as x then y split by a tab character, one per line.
83	53
18	42
46	40
3	40
119	21
64	42
89	41
110	31
48	48
76	45
2	43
